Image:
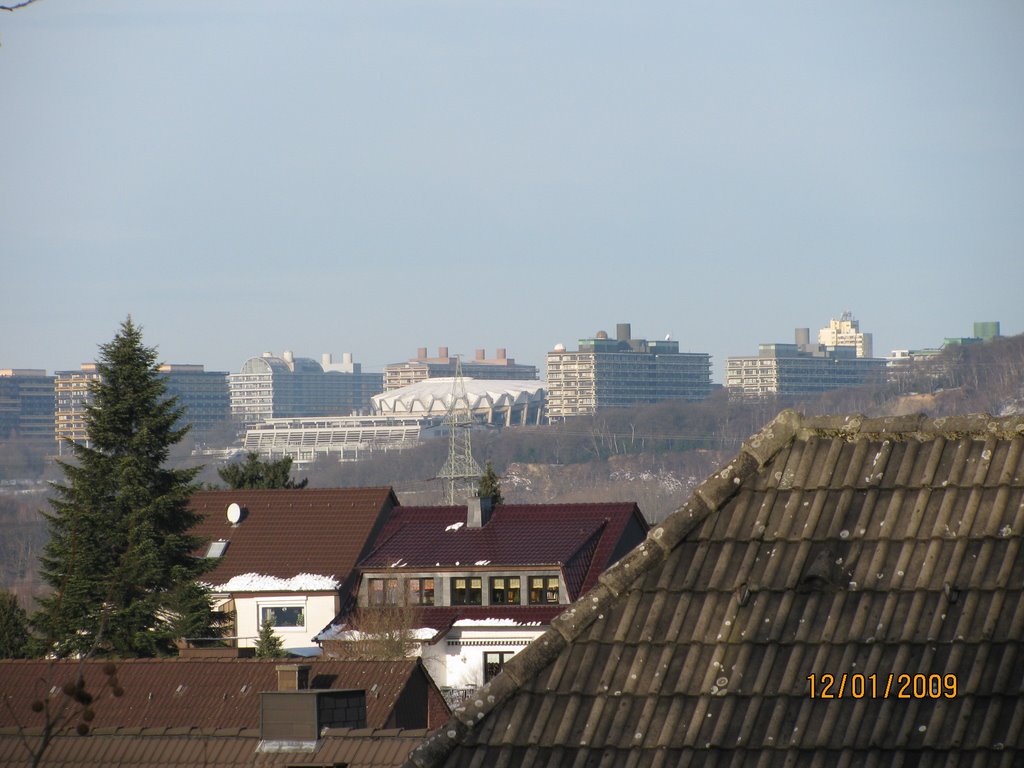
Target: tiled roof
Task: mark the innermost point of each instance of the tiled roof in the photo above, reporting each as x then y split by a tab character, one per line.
517	535
216	693
828	546
290	532
196	748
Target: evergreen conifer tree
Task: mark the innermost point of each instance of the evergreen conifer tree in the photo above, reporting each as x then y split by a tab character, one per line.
120	557
14	636
490	485
268	644
256	473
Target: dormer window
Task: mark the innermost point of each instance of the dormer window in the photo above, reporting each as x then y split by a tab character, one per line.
505	590
467	590
543	590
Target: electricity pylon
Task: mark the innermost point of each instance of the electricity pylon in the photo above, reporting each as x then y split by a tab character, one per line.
460	472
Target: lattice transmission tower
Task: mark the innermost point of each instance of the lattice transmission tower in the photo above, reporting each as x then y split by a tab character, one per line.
460	472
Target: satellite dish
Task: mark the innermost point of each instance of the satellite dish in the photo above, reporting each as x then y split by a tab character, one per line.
234	513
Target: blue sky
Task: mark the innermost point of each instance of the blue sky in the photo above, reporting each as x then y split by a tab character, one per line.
377	176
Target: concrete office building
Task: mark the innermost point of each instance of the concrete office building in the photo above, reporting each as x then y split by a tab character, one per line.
801	368
344	438
270	387
203	394
845	332
622	372
26	404
421	368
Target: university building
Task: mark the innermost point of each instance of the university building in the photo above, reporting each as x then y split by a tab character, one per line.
803	368
622	372
269	387
421	368
26	404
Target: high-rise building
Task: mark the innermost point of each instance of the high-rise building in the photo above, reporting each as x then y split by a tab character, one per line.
845	332
622	372
421	368
203	394
72	393
287	386
803	368
26	403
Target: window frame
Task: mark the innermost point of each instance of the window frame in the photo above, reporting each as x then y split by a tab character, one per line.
505	589
421	590
262	606
503	657
549	585
467	590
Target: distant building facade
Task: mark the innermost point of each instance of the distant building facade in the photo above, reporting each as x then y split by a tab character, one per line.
622	372
803	368
26	403
504	403
72	393
421	368
203	394
270	387
845	332
345	438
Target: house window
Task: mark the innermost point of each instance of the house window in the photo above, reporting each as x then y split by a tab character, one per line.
421	591
383	591
293	616
467	590
505	590
543	589
493	663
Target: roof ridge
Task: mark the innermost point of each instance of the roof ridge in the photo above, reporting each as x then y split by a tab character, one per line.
917	426
709	496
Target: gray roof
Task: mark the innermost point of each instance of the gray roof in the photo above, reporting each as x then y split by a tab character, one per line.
838	545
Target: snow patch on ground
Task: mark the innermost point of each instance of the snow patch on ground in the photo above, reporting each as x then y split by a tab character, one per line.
259	582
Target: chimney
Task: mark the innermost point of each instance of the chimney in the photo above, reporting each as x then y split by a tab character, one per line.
802	337
502	353
442	352
292	677
481	354
421	353
478	512
623	332
325	360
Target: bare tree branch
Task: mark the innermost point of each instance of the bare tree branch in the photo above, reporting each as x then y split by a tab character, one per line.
16	6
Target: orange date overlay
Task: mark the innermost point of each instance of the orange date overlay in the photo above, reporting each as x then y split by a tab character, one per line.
854	685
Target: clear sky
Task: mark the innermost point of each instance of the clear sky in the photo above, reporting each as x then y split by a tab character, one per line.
377	176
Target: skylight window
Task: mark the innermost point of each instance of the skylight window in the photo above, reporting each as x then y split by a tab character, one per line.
217	548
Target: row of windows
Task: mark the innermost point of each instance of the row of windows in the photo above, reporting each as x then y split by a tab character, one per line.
466	590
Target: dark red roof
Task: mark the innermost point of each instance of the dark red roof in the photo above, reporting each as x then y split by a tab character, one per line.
516	535
288	532
201	693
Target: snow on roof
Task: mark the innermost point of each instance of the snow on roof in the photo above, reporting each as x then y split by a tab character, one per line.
495	623
336	633
455	526
258	582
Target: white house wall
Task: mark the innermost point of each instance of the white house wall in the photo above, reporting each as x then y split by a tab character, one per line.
319	609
